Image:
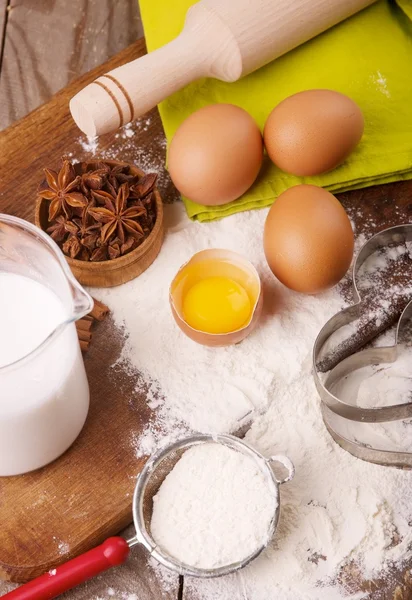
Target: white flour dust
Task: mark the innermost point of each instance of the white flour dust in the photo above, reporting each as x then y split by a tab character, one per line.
127	147
383	282
374	386
338	510
214	508
379	81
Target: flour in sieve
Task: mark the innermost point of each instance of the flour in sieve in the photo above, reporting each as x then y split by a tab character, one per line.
214	508
338	511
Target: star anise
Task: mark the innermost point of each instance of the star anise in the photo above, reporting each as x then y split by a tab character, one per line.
58	230
118	220
72	246
99	254
93	180
115	175
99	211
62	191
83	226
113	250
144	186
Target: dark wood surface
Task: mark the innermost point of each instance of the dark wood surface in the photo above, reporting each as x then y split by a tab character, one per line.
3	14
24	149
48	43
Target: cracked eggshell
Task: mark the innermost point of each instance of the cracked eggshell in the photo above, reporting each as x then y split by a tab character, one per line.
252	283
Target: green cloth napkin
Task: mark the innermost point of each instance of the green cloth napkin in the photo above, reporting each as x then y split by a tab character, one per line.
368	57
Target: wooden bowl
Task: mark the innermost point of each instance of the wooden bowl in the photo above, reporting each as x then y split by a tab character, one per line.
108	273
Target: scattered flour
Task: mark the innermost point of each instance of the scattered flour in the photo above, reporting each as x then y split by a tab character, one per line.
126	146
166	577
379	263
111	593
89	144
63	547
379	385
337	338
214	508
380	82
374	386
383	281
338	511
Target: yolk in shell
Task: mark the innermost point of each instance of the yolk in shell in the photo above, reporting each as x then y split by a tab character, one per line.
216	305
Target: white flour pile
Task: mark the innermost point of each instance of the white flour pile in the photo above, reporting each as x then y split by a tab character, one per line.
337	510
214	508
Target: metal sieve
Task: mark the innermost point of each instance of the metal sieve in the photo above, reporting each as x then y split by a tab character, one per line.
115	550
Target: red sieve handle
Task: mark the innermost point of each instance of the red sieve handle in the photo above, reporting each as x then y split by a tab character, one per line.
113	551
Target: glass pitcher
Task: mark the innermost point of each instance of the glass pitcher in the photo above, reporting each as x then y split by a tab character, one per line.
44	393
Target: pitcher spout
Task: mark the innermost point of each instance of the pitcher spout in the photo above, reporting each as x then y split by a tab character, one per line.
82	301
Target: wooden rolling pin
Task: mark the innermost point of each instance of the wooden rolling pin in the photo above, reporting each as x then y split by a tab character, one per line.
225	39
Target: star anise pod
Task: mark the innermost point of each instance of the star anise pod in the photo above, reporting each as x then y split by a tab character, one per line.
116	248
101	197
62	190
94	215
113	250
143	186
58	230
85	226
84	254
93	180
99	254
116	175
91	240
129	245
112	189
118	220
72	246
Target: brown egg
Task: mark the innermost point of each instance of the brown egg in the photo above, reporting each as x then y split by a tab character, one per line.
308	239
313	132
216	154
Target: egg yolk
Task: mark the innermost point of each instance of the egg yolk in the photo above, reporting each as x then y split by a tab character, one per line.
216	305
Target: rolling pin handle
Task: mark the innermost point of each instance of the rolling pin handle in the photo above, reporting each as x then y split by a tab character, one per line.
112	552
131	90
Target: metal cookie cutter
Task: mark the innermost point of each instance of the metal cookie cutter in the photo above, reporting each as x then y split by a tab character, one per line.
338	414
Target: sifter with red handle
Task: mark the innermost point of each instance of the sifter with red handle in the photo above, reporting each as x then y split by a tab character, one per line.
115	550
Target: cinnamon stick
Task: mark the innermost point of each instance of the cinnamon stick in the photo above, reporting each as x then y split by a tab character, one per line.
84	336
99	310
84	346
84	325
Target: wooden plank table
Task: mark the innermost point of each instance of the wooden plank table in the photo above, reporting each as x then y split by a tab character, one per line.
48	43
44	44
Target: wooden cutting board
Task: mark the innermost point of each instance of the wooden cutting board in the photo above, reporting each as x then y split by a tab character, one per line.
65	508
